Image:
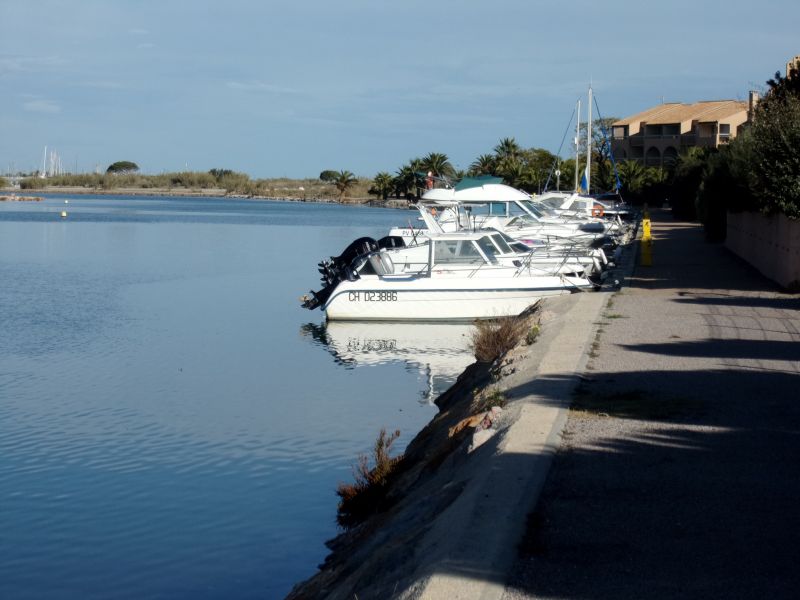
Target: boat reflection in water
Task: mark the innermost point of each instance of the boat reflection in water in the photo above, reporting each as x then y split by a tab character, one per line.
440	351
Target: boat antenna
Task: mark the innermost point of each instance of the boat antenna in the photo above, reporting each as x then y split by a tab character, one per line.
577	143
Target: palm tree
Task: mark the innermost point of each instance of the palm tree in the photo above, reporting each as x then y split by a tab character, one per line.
343	181
485	164
438	164
405	181
511	170
507	148
381	185
418	170
633	175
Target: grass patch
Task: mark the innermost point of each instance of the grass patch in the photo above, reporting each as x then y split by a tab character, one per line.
486	399
493	338
533	334
362	498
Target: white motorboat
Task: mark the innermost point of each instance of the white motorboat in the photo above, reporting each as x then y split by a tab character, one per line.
461	280
574	205
544	258
478	205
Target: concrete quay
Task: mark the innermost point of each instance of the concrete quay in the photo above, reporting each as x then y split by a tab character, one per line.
676	476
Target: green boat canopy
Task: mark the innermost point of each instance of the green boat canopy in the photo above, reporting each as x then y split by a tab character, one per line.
472	182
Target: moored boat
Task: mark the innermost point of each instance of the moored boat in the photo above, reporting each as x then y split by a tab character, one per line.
461	279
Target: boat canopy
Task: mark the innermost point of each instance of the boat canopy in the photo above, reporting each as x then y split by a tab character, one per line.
471	182
487	192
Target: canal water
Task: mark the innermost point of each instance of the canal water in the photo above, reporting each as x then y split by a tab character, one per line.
172	423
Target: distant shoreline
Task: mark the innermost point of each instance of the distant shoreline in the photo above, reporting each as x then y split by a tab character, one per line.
201	193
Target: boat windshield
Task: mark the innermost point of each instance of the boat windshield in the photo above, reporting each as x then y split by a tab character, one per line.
488	249
501	244
532	208
552	203
456	251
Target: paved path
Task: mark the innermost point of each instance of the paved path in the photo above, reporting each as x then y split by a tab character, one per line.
679	470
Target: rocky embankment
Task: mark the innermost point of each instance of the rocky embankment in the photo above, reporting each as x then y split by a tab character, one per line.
372	558
466	482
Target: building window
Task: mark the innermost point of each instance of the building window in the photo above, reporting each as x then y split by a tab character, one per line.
653	158
670	157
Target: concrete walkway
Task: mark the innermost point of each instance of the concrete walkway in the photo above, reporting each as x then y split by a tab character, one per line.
677	475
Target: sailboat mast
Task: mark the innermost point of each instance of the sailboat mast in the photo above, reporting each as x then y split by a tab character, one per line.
577	145
589	142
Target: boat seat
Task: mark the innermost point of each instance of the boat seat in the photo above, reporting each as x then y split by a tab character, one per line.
382	263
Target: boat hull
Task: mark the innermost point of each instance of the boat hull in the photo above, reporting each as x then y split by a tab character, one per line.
426	299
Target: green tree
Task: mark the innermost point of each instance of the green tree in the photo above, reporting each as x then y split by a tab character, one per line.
438	164
774	141
344	181
122	167
724	186
382	185
218	174
404	181
633	175
328	176
485	164
507	148
685	179
3	182
512	170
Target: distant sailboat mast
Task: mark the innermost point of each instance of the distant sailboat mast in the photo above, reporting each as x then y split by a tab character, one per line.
43	174
589	142
577	146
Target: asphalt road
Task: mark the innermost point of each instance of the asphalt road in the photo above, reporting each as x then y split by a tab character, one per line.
677	475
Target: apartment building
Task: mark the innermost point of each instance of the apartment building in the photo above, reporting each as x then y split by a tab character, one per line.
655	137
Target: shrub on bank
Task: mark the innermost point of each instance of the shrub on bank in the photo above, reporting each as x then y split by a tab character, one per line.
359	500
493	338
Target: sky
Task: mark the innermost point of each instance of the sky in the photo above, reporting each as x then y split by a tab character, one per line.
289	89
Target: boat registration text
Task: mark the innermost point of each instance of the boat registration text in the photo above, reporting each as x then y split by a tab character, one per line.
372	296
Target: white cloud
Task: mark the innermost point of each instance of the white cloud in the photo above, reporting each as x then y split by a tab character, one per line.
138	31
41	105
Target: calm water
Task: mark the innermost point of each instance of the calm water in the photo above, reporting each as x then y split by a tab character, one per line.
172	423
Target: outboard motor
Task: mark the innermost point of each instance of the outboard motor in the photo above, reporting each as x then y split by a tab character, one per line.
339	268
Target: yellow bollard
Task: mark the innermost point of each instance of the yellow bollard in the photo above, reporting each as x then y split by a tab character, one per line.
646	256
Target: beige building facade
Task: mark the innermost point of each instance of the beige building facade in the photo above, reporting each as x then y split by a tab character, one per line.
655	137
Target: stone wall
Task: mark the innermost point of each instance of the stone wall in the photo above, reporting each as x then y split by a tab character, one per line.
771	244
